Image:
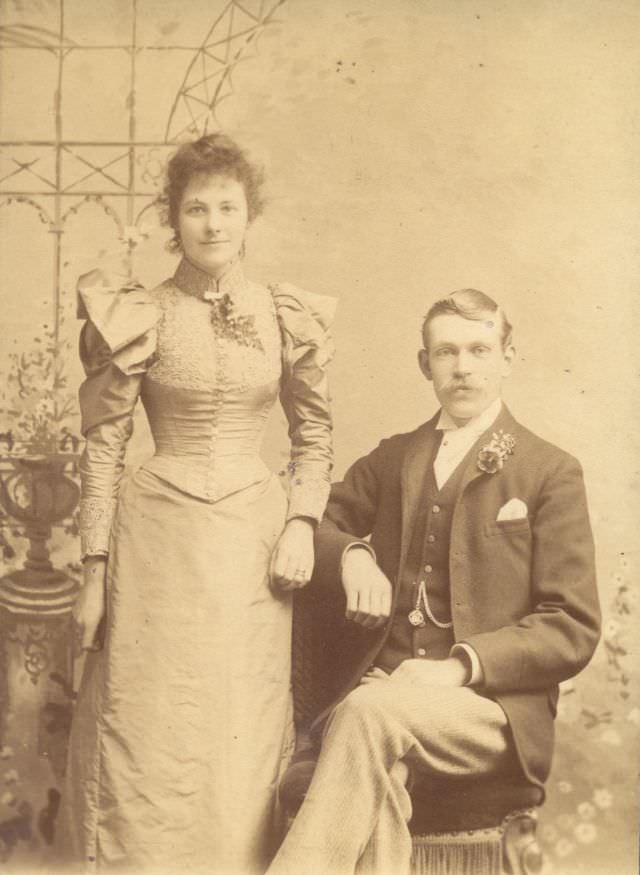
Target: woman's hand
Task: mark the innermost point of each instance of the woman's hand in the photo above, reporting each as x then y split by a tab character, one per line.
88	610
293	558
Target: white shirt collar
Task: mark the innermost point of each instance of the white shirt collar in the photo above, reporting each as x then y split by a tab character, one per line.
474	426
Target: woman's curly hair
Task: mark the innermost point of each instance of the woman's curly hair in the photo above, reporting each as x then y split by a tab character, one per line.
213	154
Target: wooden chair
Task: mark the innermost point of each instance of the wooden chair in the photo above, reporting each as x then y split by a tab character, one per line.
477	827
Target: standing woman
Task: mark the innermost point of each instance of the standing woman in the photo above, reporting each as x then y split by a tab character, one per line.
183	717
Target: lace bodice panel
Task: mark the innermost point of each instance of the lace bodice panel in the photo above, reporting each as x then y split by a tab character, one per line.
191	356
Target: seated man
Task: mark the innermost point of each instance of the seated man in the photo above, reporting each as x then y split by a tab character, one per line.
475	597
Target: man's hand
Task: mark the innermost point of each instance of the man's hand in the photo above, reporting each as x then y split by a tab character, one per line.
451	672
367	589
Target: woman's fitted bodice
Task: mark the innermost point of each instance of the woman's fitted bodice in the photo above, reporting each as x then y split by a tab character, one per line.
208	397
208	360
207	445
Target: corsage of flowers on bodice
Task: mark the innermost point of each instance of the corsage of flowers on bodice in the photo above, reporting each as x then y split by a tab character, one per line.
222	333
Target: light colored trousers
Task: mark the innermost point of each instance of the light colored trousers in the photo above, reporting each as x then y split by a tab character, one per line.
354	817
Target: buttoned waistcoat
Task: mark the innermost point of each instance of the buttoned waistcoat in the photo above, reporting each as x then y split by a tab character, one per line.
523	591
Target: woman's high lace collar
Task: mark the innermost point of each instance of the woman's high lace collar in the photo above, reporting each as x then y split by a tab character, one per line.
193	281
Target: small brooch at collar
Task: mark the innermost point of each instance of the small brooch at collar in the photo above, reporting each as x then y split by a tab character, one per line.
210	295
491	457
221	295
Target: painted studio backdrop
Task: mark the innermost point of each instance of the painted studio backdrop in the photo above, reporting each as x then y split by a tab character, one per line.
412	147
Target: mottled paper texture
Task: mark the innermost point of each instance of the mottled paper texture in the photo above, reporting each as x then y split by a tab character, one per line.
411	148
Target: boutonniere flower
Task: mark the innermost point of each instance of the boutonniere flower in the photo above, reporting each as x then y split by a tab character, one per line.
492	456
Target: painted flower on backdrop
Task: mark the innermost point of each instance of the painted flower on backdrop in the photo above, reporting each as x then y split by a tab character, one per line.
586	833
133	236
564	847
37	407
492	456
602	798
586	811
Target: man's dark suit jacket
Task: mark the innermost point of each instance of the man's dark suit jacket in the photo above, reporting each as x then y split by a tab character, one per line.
523	592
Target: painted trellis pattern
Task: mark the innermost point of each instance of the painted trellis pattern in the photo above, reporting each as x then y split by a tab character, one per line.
53	165
59	175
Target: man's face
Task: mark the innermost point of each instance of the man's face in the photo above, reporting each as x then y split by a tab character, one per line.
466	363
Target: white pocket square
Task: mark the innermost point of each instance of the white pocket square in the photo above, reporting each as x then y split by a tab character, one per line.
514	509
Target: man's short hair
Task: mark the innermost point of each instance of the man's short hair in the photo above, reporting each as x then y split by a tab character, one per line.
470	304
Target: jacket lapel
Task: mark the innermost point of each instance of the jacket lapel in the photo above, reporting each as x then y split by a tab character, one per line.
504	422
415	467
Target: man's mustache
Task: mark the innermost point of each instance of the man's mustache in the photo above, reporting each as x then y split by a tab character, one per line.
459	384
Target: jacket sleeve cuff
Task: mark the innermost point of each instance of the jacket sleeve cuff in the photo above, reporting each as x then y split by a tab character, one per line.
355	545
470	658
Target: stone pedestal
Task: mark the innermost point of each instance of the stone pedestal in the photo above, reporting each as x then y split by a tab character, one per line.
36	663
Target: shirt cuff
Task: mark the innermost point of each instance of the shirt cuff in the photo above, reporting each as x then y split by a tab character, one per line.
470	657
354	545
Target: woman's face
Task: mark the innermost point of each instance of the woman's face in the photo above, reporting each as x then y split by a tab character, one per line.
212	221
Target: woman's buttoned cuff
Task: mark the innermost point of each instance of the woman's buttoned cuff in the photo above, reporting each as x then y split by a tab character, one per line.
308	497
96	516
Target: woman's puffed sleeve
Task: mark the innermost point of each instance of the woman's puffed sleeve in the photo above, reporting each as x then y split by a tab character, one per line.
305	319
117	343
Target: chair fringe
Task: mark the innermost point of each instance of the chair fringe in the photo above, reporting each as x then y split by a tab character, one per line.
457	854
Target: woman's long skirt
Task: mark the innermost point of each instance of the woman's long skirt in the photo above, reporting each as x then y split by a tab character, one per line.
183	720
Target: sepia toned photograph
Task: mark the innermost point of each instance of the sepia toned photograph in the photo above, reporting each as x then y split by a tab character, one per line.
318	454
